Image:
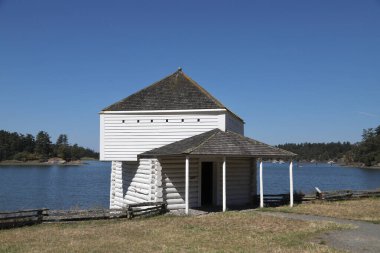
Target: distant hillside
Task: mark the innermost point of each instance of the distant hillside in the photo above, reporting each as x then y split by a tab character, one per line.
318	151
21	147
365	153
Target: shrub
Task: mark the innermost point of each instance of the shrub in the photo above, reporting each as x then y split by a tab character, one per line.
25	156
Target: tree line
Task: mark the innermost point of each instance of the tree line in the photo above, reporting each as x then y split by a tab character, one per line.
16	146
318	151
366	152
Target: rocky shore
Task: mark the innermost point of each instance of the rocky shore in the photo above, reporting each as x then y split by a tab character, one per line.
49	162
360	165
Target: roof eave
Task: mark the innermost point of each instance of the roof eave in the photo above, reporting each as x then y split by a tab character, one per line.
216	155
162	111
159	155
235	115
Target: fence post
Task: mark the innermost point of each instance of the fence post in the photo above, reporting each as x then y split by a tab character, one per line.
163	208
129	212
40	216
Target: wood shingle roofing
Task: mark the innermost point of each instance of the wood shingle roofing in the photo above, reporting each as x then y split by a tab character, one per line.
175	92
218	142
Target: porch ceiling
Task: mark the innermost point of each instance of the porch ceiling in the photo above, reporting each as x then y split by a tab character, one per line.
219	143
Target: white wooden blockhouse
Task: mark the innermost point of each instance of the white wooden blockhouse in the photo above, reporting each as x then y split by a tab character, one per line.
173	141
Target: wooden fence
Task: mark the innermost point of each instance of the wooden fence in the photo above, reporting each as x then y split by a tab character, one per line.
22	218
273	200
346	194
36	216
146	209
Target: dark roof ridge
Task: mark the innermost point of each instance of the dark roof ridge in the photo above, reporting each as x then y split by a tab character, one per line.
145	88
136	100
209	95
215	130
203	90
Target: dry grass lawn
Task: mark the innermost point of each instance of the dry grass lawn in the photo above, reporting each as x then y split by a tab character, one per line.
362	209
221	232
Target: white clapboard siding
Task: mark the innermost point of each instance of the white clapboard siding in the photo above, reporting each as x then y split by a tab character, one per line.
173	182
234	124
122	138
238	181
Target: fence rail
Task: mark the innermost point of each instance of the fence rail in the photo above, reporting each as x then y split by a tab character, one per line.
81	215
22	218
346	194
36	216
273	200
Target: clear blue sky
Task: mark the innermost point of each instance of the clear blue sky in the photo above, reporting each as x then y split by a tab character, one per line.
296	71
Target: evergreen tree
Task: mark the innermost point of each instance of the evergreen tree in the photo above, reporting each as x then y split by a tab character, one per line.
43	145
29	143
377	131
76	152
25	147
368	150
62	140
318	151
62	147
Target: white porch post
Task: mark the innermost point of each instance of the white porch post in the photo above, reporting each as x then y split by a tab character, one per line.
261	185
291	182
187	186
224	185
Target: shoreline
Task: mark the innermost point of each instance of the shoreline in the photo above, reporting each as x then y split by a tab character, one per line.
83	161
33	163
359	166
352	165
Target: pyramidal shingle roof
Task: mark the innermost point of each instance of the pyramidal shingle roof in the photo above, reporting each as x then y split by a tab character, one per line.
175	92
218	142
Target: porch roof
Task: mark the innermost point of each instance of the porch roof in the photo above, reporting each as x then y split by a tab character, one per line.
220	143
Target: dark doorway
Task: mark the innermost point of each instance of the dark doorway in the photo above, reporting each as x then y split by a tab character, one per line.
207	184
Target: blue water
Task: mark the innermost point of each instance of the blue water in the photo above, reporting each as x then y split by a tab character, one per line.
323	176
55	187
88	185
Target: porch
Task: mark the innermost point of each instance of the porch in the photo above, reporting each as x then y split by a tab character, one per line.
218	169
